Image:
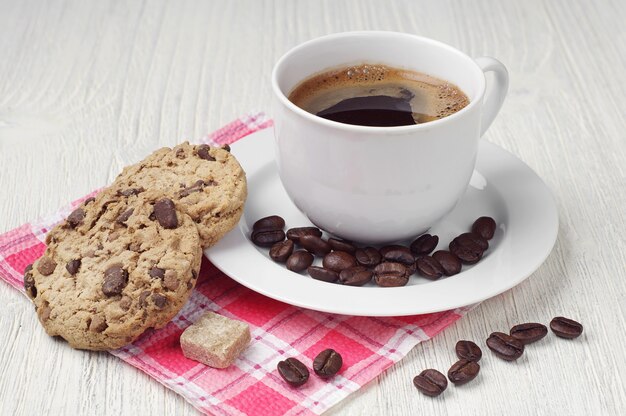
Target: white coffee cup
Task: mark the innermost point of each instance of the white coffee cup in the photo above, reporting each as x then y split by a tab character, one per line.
381	184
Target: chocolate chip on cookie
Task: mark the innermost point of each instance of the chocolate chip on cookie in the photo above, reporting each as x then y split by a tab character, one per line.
97	324
165	213
226	147
203	152
89	200
159	300
115	279
130	191
124	216
29	282
72	266
76	218
46	266
157	273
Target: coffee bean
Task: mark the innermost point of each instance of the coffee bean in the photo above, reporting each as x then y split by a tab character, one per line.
29	282
327	363
463	371
341	245
485	227
46	266
466	250
355	276
281	251
124	216
505	346
368	256
430	382
565	327
451	264
295	234
320	273
165	213
399	254
315	245
72	266
273	222
203	152
429	268
267	238
338	260
529	333
299	261
385	249
115	280
293	371
391	274
472	238
76	218
156	273
468	350
424	244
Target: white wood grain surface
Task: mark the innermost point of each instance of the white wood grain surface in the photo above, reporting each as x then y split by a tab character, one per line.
89	86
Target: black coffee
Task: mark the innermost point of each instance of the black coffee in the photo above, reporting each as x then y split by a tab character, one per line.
378	95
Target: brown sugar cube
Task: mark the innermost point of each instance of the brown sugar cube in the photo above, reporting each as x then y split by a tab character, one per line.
215	340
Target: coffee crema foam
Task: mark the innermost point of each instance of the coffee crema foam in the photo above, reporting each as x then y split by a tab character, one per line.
430	98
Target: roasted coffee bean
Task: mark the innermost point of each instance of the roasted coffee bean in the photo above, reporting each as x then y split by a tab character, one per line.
273	222
293	371
320	273
472	238
529	333
267	238
429	268
165	213
368	256
390	274
281	251
203	152
124	216
157	273
29	282
424	244
341	245
485	227
468	350
72	266
295	234
338	260
327	363
400	254
463	371
431	382
505	346
385	249
467	251
76	218
46	266
355	276
315	245
565	327
299	260
451	264
115	280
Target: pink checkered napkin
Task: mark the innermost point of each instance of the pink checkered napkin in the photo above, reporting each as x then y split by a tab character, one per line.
252	385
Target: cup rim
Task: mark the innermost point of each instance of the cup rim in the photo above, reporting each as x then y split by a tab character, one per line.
357	128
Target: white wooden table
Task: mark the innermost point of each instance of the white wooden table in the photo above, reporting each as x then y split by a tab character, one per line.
89	86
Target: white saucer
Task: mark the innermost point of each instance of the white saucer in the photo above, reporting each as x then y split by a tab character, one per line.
502	187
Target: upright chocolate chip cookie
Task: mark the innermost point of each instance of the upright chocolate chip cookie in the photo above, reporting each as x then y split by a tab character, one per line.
205	182
117	266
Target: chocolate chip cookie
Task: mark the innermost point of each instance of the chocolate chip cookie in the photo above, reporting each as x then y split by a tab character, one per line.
118	265
207	183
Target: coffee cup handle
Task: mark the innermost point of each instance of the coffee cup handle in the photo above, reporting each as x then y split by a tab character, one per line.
495	97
